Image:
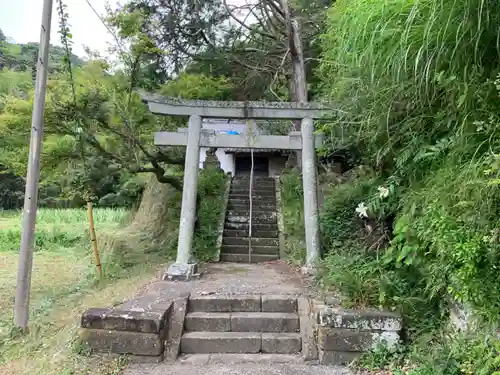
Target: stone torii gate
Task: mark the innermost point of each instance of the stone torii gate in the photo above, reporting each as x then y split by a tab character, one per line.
196	137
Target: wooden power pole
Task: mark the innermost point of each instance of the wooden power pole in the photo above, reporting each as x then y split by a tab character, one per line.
23	286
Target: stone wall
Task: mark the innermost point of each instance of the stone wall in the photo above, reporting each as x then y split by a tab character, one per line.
139	332
344	335
276	165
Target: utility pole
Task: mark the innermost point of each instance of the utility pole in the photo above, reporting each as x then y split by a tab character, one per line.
23	286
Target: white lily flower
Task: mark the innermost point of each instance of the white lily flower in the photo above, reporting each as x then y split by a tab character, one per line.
362	210
383	192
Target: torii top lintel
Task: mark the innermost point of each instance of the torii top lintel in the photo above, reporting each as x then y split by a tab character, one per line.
162	105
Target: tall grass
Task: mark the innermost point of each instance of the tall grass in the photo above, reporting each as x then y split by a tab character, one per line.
57	228
292	205
416	84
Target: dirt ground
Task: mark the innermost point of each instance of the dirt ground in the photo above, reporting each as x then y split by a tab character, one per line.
229	278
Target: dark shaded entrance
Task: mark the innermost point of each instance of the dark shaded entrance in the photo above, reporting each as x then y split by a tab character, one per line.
243	164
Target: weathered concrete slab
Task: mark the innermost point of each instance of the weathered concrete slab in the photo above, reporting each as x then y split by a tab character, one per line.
209	304
307	323
246	303
264	322
338	358
281	343
214	303
121	342
221	342
348	340
277	303
335	317
151	321
211	322
175	329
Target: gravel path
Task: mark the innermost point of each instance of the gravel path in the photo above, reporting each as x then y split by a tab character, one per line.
236	364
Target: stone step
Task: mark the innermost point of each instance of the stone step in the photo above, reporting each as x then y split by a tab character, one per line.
241	258
256	179
242	322
240	342
246	219
256	250
221	342
245	359
256	214
255	197
281	343
256	241
256	207
255	203
255	191
235	233
256	227
227	303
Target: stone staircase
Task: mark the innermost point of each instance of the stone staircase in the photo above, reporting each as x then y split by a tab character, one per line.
265	239
242	325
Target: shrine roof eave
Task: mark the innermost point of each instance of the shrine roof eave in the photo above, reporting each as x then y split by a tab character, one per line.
167	106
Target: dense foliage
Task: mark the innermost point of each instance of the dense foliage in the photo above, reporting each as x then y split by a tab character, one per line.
416	84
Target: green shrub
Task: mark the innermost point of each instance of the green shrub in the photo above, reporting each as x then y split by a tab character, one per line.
292	204
211	189
417	88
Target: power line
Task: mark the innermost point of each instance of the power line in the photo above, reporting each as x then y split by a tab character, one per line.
120	46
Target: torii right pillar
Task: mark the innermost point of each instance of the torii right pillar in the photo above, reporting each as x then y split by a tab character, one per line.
309	182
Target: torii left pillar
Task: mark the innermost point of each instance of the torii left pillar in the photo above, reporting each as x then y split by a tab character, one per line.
184	268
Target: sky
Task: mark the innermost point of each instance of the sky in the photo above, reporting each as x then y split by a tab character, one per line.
21	20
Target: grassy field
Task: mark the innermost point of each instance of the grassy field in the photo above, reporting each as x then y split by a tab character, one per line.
63	285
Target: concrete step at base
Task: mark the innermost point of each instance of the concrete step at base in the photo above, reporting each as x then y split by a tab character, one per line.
243	258
240	342
255	226
241	359
221	342
281	343
256	250
242	322
236	233
243	241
